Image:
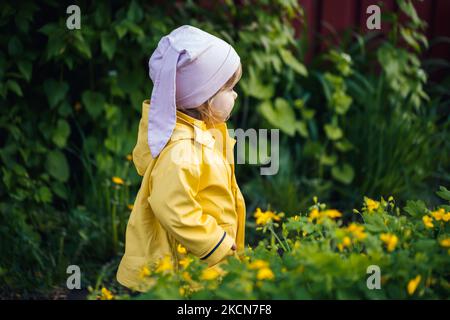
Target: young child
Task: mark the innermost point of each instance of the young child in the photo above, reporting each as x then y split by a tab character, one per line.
189	200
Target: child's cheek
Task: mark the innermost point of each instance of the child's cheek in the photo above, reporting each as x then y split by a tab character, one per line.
222	105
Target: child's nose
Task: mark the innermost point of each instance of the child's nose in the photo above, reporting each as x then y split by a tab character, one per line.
235	94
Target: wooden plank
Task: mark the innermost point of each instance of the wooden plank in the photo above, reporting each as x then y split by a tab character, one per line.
441	28
337	16
310	12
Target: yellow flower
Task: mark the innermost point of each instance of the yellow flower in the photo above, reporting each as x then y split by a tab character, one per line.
164	264
185	262
446	217
346	242
427	221
445	242
181	249
314	215
182	291
262	218
438	214
130	206
129	157
265	274
296	217
209	274
117	180
356	231
106	294
332	213
186	276
145	272
372	204
413	284
390	240
258	264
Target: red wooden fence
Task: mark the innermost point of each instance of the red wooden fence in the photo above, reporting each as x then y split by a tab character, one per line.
331	17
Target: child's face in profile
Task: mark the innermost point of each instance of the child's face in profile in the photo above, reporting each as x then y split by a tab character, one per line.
222	104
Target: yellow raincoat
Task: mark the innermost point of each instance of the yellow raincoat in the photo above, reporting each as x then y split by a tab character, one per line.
188	196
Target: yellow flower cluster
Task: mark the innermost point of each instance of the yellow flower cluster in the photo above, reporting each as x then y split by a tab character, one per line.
264	271
390	240
357	231
438	215
445	242
319	216
211	273
263	218
106	294
354	232
371	204
165	264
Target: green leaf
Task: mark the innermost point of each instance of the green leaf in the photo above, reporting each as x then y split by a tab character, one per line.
25	67
292	62
14	86
374	223
61	133
415	208
108	43
44	195
302	129
94	103
57	166
333	132
443	193
328	160
60	190
14	46
55	91
343	173
281	116
253	86
344	145
81	45
340	101
135	12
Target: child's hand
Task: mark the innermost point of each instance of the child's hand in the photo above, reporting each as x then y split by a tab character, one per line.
234	246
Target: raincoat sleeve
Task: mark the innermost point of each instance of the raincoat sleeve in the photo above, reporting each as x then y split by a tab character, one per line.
173	201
